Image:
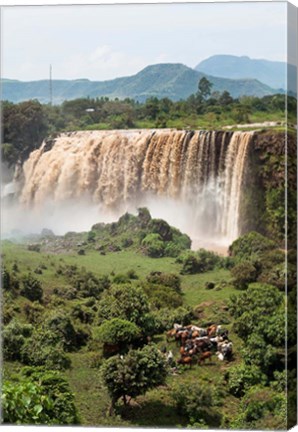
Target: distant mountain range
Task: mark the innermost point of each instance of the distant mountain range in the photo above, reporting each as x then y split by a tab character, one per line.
175	81
272	73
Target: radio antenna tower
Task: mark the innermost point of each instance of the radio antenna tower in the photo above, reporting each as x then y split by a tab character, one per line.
51	86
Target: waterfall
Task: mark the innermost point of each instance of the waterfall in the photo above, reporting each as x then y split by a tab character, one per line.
193	179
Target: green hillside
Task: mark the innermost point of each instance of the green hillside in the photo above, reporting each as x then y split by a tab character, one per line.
174	81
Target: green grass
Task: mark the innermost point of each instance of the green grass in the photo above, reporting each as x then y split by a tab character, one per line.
157	407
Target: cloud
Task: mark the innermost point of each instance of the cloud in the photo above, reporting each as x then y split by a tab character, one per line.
99	64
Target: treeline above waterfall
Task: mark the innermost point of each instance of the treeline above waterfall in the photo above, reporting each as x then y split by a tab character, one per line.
27	124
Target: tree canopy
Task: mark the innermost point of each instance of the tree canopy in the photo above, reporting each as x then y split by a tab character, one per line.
135	373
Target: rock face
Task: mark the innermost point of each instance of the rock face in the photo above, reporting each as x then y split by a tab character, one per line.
270	182
219	183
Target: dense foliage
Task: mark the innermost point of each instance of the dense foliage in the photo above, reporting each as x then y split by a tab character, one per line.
26	124
134	373
110	310
38	396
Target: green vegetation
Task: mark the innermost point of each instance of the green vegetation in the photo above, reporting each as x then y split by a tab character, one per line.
133	374
99	329
38	396
27	124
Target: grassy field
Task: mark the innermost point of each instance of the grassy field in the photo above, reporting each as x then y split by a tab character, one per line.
157	407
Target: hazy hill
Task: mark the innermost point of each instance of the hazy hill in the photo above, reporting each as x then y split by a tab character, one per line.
272	73
174	81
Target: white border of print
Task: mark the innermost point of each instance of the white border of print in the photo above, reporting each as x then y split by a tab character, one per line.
96	2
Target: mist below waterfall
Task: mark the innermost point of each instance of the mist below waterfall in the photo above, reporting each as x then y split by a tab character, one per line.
192	179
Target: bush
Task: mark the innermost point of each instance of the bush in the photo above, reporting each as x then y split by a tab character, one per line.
121	278
87	284
165	318
251	246
91	236
117	331
153	245
198	262
31	288
135	373
33	312
243	273
260	407
196	403
61	325
172	250
170	280
38	397
82	312
9	281
242	377
125	302
162	296
14	337
45	349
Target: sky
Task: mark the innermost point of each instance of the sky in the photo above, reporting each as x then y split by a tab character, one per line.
108	41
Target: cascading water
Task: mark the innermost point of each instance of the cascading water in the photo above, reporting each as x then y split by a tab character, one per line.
192	179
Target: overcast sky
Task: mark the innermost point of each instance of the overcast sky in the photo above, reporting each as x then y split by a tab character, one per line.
104	42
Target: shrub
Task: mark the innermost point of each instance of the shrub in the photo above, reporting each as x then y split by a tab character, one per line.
198	262
135	373
162	296
170	280
125	302
132	274
45	349
31	288
87	284
242	377
91	236
61	325
243	273
9	281
126	242
251	246
121	278
260	407
33	312
172	249
196	403
165	318
83	312
14	337
116	331
153	245
38	397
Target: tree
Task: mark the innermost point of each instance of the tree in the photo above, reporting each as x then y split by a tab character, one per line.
256	309
225	99
31	289
125	302
133	374
25	126
244	273
204	87
117	331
